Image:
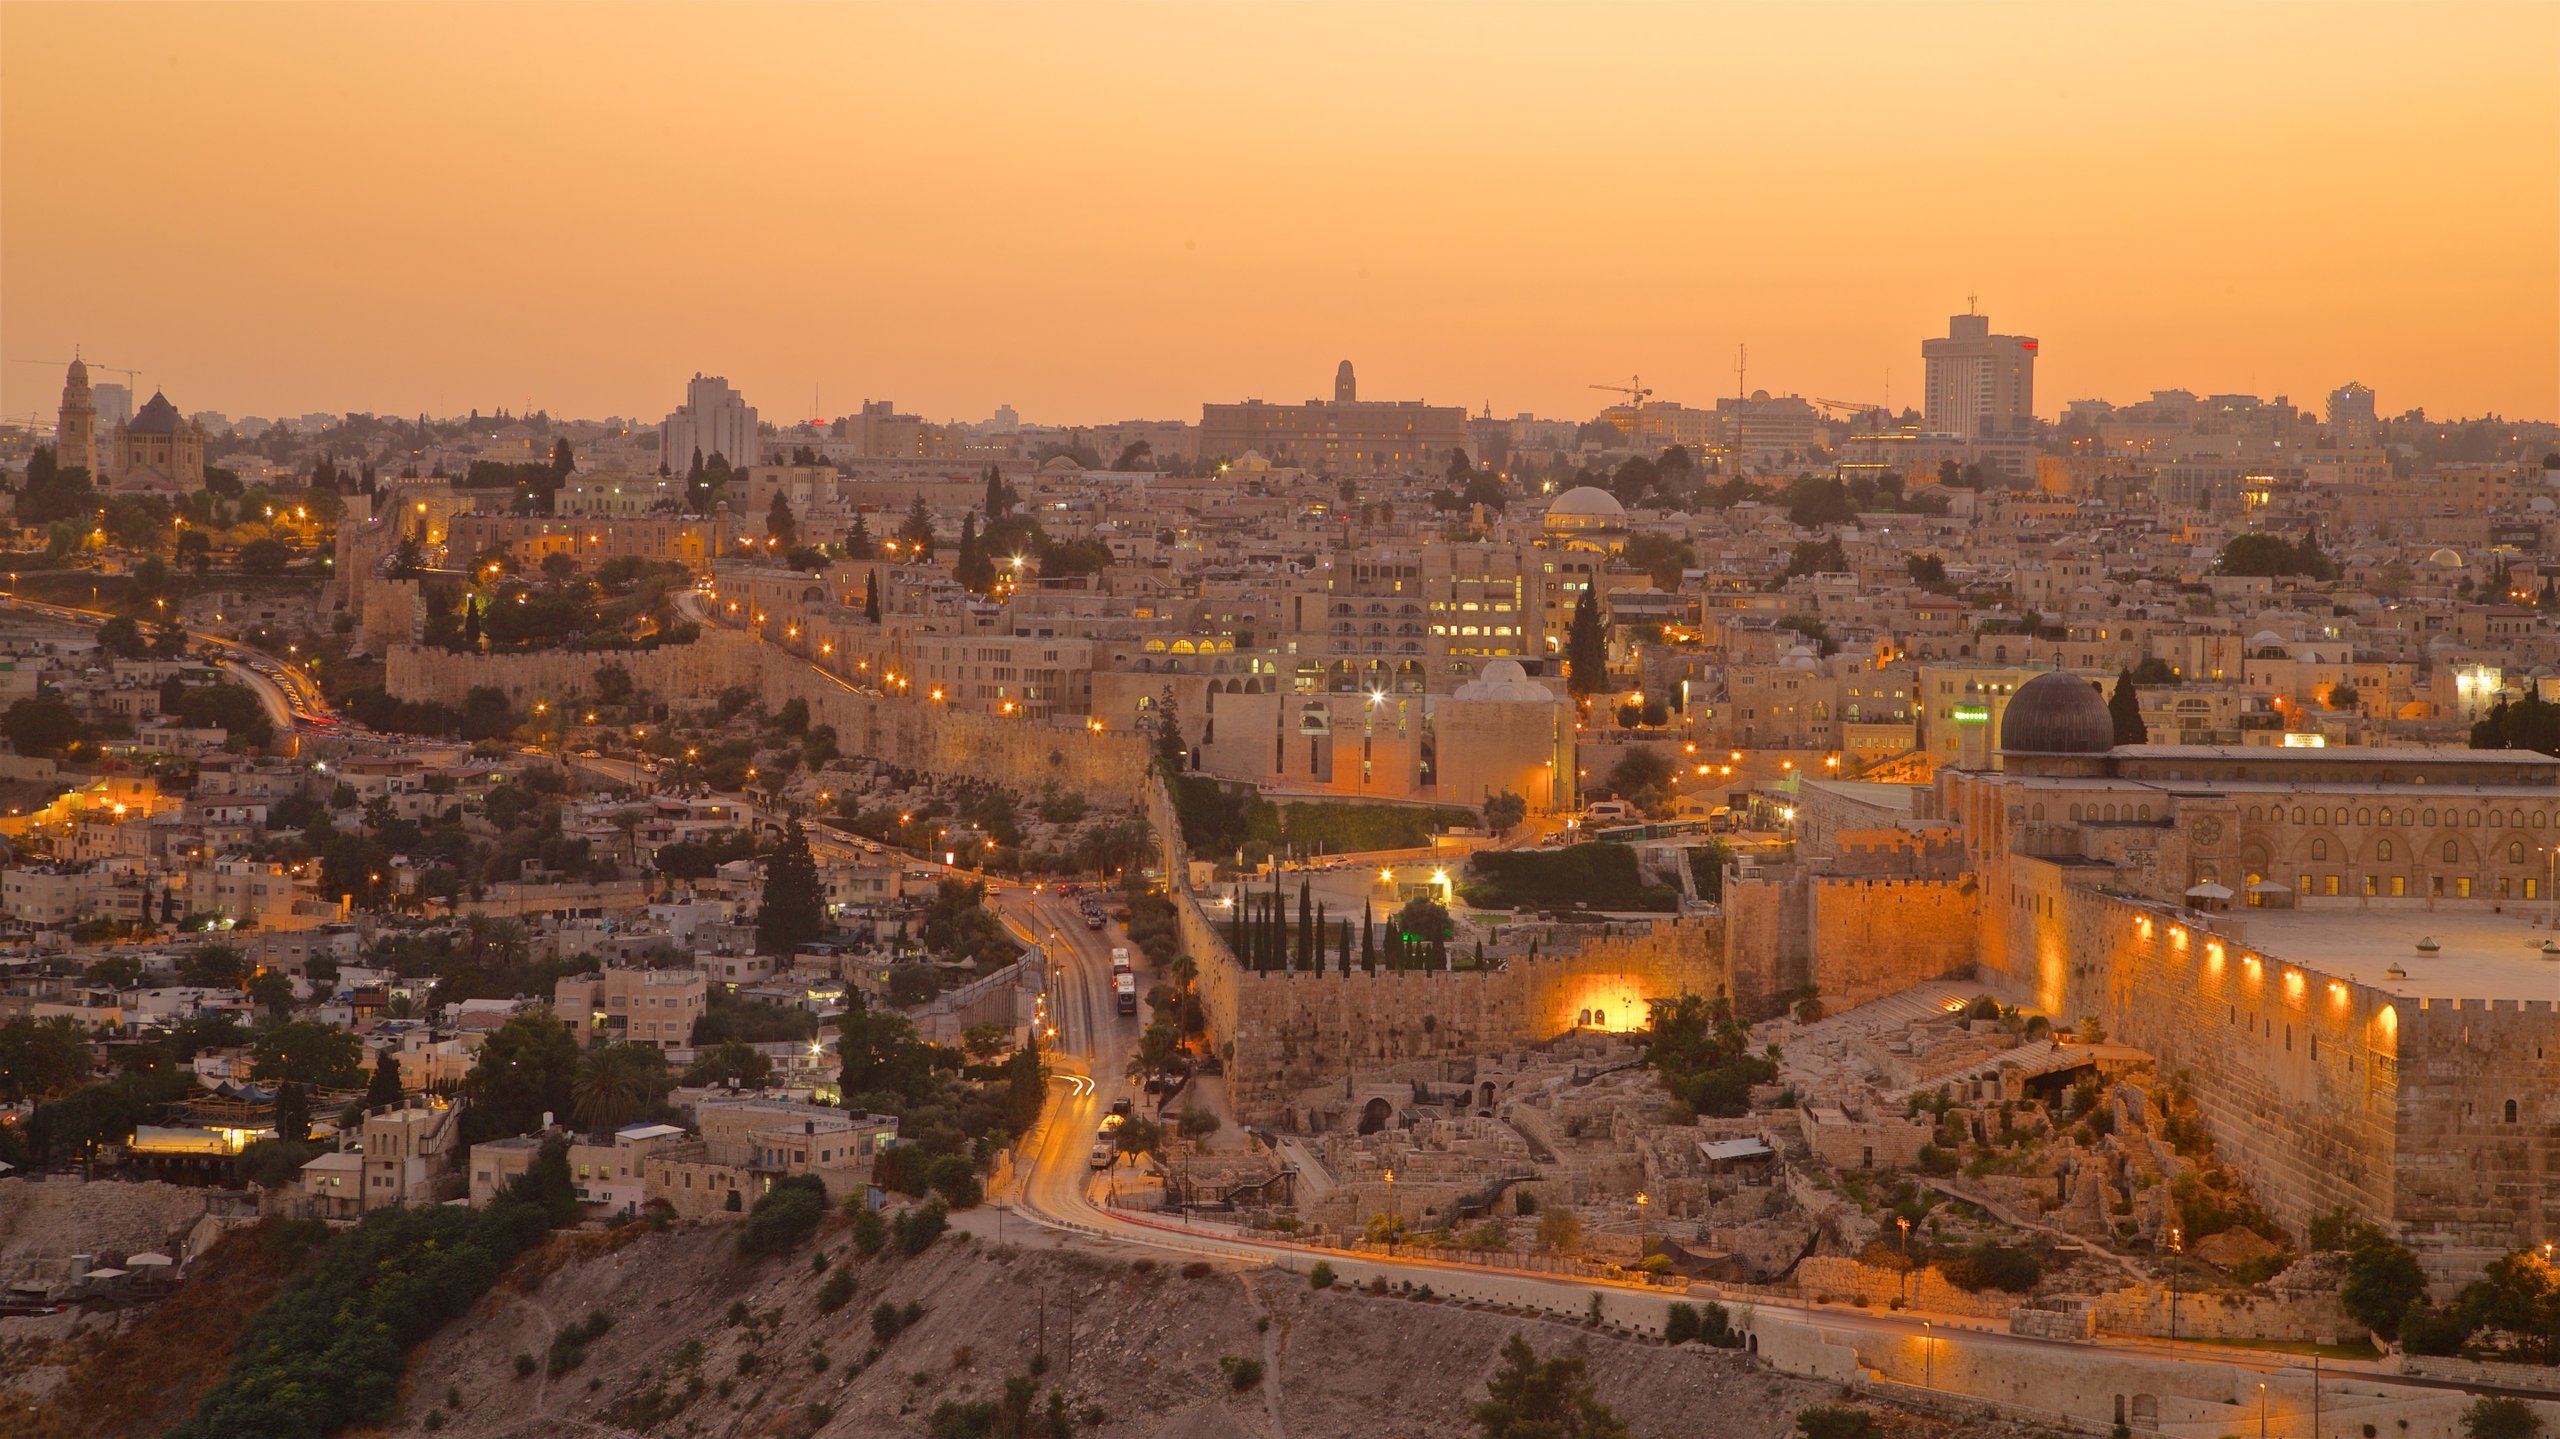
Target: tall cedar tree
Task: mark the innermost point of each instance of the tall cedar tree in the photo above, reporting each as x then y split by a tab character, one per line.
1368	940
794	911
976	572
470	623
1306	925
1586	648
1343	950
2125	708
857	541
385	1090
779	524
871	597
1000	495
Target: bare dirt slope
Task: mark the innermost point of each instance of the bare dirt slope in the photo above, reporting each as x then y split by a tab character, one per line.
1135	1346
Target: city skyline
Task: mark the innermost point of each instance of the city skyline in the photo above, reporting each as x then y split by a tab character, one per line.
1498	211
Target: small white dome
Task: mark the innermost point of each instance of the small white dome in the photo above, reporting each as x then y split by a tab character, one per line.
1504	681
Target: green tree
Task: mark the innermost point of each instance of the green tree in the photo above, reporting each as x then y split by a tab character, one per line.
2124	706
1000	496
794	910
546	1183
617	1084
728	1061
916	534
264	557
307	1053
384	1090
1532	1398
1587	646
293	1113
2383	1280
1926	569
272	991
974	570
525	1069
871	596
778	524
42	725
1504	811
42	1058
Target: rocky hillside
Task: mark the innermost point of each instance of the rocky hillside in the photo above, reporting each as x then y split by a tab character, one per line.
700	1342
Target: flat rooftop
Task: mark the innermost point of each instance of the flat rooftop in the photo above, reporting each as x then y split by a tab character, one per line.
2482	954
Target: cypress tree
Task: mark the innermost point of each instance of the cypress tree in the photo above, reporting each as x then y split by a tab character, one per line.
470	623
795	908
1235	925
871	597
1586	649
2125	708
1343	949
1368	941
1306	925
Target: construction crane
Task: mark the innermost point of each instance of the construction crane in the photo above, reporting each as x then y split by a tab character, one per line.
1634	389
132	378
1850	408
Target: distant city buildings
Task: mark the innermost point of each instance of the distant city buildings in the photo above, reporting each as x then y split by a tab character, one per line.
1979	384
1345	435
713	420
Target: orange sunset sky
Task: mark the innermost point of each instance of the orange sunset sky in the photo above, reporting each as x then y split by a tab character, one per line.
1103	212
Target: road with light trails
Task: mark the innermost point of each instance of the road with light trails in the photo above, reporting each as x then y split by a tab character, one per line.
292	698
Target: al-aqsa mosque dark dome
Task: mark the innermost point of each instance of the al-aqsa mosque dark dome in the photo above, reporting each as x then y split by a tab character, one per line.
2057	714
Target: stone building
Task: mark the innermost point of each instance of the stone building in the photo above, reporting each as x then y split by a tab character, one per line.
75	432
2347	951
159	451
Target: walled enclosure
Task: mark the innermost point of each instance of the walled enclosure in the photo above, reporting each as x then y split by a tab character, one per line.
2319	1090
909	733
1284	1032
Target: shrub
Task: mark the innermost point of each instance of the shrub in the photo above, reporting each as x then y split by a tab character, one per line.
433	1422
1242	1373
785	1217
1320	1277
916	1229
870	1232
1196	1269
525	1365
837	1292
1994	1266
1680	1324
1523	1203
885	1322
1836	1421
2501	1418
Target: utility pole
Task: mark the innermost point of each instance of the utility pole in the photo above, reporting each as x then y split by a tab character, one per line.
1741	372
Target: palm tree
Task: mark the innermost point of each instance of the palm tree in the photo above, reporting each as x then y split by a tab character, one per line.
616	1085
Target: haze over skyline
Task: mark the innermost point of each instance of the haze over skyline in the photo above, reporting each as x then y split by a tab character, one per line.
1094	215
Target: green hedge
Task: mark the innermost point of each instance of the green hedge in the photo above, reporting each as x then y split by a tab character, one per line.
1603	876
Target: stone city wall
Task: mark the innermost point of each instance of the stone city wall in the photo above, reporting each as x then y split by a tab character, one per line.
2319	1090
2146	1309
1839	1280
1280	1033
673	674
1875	937
910	733
1853	939
1292	1031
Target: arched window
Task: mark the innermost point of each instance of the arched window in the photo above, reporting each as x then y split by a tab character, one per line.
2511	1111
2382	852
2515	851
2319	849
2452	852
2039	810
2364	816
